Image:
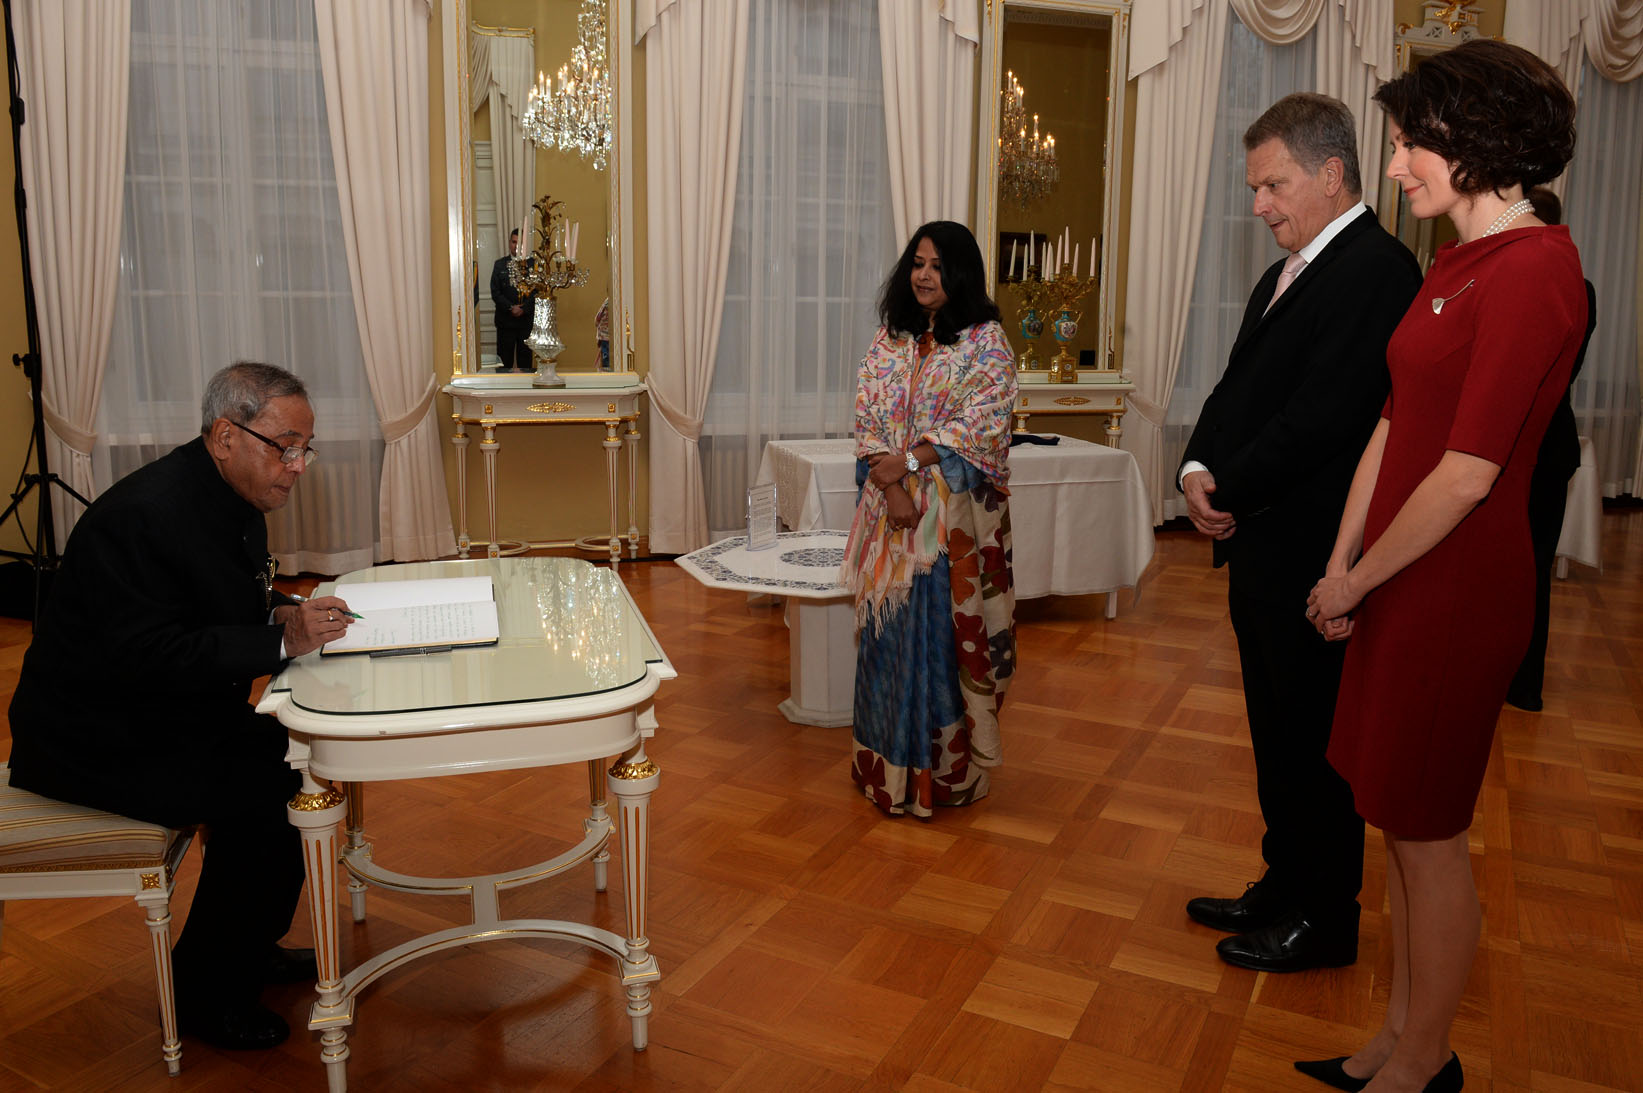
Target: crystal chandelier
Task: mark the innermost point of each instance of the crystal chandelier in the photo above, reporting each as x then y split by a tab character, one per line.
572	112
1027	169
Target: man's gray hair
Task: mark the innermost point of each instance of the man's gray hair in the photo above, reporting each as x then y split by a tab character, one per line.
1313	127
240	391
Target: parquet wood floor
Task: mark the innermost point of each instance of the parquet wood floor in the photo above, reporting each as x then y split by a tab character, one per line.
1034	941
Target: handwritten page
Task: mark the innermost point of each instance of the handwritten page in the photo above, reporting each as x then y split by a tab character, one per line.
402	615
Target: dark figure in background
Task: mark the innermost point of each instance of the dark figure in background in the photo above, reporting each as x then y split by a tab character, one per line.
1266	475
1557	462
513	314
133	695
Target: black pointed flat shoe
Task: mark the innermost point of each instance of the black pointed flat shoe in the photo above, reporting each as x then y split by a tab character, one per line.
1331	1072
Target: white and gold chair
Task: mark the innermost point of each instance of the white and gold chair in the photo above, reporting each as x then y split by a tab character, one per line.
52	850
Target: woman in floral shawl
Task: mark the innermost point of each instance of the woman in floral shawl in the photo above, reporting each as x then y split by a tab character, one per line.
929	551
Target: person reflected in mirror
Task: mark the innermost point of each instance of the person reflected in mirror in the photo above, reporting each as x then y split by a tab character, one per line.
928	556
1557	462
1431	581
1265	476
513	313
133	696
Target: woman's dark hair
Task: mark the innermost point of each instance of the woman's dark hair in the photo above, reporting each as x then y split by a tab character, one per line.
1498	114
963	279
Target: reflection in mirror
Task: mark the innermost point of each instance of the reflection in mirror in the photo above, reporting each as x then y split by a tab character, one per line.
1046	203
511	42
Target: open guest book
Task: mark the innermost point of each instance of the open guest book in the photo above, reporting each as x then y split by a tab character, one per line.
402	617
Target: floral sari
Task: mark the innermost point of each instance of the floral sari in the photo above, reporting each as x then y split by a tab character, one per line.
935	602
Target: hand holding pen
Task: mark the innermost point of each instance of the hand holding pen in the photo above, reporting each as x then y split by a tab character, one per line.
310	623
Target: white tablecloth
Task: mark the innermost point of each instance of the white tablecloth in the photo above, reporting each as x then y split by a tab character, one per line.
1080	518
1582	537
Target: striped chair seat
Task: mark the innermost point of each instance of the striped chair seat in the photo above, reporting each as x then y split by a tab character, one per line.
40	835
52	850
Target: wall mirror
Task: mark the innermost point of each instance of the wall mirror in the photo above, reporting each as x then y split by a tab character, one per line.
1445	26
494	53
1048	149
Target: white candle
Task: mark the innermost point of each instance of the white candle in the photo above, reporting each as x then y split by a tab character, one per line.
575	238
1075	261
1012	258
1092	257
1028	260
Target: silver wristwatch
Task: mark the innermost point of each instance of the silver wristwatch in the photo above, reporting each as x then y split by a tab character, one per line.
912	462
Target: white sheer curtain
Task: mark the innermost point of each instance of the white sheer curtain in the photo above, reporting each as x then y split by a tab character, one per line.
1601	207
1235	247
810	241
232	249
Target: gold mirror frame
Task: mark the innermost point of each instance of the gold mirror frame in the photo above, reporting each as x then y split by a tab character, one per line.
1445	26
459	224
1099	311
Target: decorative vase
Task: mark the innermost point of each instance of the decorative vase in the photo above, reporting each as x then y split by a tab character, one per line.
1064	366
1031	327
544	342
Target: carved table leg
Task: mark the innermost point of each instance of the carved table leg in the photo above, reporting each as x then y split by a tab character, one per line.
357	845
633	488
316	811
598	817
612	445
157	913
488	446
1115	427
460	443
633	780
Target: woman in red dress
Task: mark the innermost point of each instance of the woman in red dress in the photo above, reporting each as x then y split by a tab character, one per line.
1432	576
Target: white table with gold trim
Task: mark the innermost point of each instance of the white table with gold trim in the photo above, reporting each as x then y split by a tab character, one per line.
572	679
1099	394
492	401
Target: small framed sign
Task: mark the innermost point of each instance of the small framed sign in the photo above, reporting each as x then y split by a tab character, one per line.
762	519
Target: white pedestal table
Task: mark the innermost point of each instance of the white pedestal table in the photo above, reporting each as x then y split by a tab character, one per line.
821	637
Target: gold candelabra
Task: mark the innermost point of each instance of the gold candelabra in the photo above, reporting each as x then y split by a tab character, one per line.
551	266
1039	298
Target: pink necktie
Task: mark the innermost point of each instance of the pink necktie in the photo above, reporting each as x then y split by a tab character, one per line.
1292	269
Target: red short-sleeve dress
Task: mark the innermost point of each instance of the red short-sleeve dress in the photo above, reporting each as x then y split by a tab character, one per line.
1478	364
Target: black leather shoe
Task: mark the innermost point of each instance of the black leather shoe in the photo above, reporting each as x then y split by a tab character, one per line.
1294	943
1330	1072
1449	1079
245	1027
290	966
1522	701
1256	909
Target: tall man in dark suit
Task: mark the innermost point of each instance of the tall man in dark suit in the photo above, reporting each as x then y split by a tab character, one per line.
133	694
513	313
1266	475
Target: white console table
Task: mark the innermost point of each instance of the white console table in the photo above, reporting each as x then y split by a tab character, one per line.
1099	394
491	401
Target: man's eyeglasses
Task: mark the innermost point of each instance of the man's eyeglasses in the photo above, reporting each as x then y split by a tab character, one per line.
287	455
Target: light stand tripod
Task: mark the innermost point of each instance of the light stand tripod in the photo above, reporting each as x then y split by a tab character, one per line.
42	560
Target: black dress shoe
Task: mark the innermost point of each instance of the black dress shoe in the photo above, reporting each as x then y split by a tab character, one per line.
244	1027
1449	1079
1529	702
1330	1072
1295	943
290	966
1256	909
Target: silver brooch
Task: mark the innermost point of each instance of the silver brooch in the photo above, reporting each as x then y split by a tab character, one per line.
1439	301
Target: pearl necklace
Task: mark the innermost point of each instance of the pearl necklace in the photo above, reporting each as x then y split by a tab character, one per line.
1513	211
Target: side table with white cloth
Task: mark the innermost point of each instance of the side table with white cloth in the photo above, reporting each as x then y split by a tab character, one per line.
821	639
1080	518
572	679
